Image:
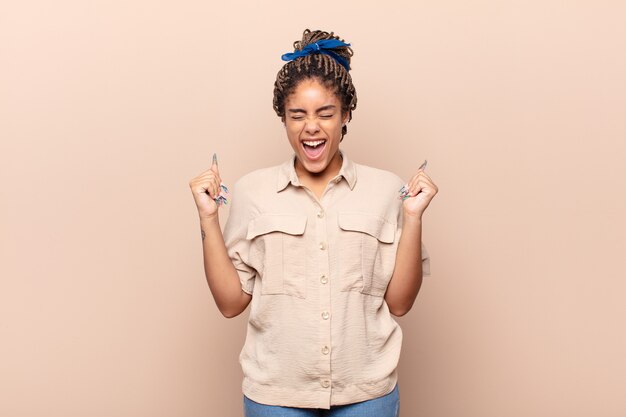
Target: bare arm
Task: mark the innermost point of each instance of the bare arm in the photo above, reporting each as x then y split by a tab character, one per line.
407	276
220	272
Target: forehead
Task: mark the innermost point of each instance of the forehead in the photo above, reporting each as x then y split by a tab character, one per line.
311	92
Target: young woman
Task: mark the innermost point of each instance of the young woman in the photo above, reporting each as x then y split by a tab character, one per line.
324	248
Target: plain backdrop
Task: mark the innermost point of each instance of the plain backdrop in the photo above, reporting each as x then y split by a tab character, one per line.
109	108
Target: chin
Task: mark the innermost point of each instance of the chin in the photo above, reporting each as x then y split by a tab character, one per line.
316	166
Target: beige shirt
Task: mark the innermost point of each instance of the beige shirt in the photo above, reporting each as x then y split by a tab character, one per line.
319	331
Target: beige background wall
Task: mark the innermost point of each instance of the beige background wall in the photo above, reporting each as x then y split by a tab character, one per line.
107	109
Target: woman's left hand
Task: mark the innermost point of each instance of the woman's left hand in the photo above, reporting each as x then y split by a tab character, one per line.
421	192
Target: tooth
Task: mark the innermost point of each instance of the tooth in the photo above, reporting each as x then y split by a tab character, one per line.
314	143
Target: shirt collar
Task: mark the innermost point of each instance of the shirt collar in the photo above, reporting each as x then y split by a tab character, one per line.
287	172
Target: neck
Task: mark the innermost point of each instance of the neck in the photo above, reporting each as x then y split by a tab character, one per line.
326	175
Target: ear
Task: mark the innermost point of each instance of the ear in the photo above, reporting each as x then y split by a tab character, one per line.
345	119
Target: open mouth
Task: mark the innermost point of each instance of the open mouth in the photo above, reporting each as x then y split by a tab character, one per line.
313	148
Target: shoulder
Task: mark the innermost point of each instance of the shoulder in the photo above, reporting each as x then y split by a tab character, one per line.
257	179
378	177
377	192
251	192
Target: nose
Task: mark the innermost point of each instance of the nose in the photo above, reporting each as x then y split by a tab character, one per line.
311	126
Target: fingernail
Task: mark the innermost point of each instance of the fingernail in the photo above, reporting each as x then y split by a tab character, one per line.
215	158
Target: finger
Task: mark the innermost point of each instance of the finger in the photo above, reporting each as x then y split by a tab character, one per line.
198	188
210	190
214	186
421	177
419	186
428	182
415	190
214	166
412	185
216	183
424	174
432	188
209	176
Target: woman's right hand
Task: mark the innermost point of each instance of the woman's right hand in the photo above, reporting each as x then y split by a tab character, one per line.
205	187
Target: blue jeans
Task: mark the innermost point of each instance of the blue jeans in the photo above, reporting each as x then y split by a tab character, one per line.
385	406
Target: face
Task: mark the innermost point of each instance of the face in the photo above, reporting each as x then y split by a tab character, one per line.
314	121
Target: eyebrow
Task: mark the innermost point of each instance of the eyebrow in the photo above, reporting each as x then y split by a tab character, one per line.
328	107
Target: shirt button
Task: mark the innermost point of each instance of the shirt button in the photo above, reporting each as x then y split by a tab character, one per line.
320	214
325	383
322	245
324	279
325	350
325	315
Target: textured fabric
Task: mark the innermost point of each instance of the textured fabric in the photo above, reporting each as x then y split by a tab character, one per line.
324	46
386	406
319	331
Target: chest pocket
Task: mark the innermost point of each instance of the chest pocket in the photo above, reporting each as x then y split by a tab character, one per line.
278	252
366	252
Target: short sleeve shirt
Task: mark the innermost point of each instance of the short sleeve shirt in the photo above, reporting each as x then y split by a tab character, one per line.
319	331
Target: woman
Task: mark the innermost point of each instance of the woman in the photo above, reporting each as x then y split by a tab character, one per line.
324	248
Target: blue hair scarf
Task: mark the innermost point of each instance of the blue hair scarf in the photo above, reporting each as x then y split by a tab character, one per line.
324	46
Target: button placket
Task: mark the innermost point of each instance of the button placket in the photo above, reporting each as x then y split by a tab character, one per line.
325	296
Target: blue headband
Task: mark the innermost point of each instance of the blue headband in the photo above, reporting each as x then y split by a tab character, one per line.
324	46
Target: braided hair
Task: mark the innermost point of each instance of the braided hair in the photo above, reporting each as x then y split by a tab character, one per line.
322	67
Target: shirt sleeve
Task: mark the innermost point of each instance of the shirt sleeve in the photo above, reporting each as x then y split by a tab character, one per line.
235	230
